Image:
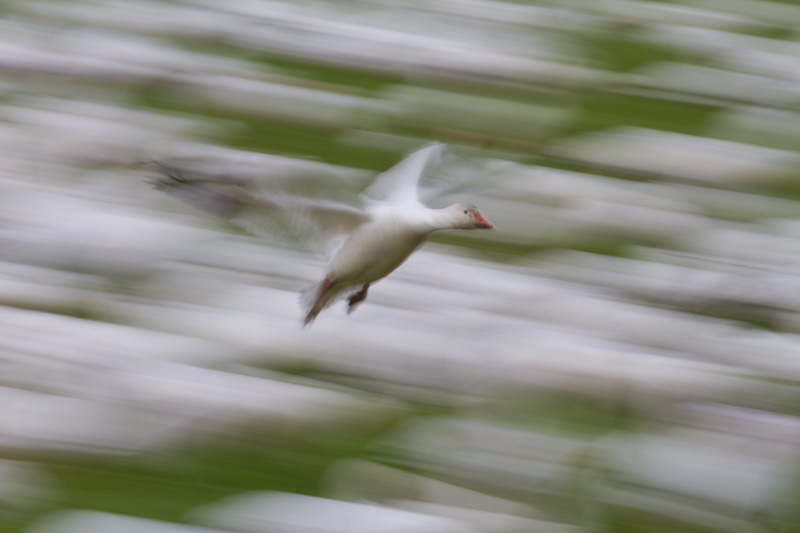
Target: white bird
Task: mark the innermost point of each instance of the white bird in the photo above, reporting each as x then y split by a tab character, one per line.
368	242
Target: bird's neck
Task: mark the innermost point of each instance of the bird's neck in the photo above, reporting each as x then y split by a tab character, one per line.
436	219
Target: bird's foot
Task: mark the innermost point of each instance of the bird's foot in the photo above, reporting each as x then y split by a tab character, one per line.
319	303
357	298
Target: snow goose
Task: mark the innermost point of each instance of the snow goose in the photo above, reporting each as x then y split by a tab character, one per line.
367	242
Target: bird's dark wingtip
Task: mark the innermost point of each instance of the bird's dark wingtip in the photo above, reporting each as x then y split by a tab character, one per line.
157	182
168	175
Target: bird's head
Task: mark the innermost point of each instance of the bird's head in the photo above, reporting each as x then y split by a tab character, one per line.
467	216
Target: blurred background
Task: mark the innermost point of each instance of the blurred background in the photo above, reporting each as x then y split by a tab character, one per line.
620	354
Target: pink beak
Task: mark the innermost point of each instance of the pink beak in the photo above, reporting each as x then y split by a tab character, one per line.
482	223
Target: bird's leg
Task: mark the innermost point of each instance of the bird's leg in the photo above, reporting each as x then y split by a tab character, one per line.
319	303
357	298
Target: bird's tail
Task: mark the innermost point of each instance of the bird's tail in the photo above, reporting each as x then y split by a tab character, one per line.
317	298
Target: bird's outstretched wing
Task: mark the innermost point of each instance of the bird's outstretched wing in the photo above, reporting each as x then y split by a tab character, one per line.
400	184
318	223
430	177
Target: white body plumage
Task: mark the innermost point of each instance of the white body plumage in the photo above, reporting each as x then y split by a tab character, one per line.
376	239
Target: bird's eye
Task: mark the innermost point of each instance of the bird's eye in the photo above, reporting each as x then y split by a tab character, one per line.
466	211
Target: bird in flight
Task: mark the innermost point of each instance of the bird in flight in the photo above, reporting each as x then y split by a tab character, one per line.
366	243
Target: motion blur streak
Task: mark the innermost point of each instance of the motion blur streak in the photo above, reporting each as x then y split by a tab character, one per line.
620	354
